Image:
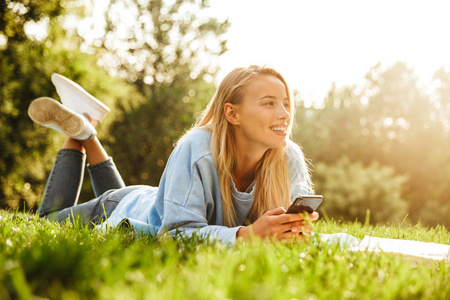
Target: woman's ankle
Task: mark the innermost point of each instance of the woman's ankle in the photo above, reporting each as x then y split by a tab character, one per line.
70	143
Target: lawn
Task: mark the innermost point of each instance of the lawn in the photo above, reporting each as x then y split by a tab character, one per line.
41	259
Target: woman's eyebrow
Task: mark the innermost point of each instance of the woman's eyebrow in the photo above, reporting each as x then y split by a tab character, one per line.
268	96
272	97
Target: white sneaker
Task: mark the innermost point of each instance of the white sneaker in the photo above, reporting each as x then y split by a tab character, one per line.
50	113
77	99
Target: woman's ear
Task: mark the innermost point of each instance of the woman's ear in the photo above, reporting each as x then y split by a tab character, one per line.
230	113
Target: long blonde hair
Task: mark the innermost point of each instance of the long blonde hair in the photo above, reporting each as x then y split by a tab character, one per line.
271	174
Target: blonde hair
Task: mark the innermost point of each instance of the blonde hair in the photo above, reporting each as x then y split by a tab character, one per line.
271	174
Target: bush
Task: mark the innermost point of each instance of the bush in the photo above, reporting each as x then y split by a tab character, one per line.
350	189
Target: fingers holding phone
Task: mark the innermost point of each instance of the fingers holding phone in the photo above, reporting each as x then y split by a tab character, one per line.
302	228
272	224
296	233
281	224
305	205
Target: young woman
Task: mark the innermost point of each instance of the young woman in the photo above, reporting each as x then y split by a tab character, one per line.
231	176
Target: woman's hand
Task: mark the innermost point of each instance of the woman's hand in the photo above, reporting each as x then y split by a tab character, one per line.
279	225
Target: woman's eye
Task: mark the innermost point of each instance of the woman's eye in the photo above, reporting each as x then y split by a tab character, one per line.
269	103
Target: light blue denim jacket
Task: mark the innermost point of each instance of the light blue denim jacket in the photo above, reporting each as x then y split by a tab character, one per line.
188	198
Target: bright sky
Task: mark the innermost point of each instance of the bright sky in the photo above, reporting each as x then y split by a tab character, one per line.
316	43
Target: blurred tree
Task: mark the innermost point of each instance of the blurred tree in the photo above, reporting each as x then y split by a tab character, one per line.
332	130
441	79
410	134
437	205
391	121
168	51
351	189
23	72
33	45
168	59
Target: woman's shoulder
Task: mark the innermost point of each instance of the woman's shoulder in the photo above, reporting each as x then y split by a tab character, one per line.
196	137
298	170
295	157
196	141
293	151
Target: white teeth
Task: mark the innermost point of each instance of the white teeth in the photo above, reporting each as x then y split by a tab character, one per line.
279	128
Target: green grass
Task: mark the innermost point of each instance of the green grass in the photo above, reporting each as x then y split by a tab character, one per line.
64	261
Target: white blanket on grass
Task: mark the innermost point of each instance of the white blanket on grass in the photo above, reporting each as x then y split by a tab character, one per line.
414	249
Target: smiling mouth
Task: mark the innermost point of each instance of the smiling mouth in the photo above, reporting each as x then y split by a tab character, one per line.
279	129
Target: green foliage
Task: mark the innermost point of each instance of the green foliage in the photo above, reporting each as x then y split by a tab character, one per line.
168	55
65	261
155	125
166	42
27	63
351	189
334	130
156	102
24	66
392	122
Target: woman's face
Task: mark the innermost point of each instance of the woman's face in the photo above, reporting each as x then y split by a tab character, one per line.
262	118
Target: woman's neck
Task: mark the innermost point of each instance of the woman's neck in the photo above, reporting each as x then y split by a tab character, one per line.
244	171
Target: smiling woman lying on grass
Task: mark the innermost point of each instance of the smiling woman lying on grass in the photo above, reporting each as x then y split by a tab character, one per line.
231	176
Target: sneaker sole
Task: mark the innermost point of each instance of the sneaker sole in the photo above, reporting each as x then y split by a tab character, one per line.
64	84
46	111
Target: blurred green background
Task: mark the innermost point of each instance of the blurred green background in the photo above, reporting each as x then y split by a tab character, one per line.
381	147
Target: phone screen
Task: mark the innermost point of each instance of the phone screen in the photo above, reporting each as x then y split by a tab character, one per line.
306	203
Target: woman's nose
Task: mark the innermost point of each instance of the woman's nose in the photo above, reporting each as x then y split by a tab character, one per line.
283	112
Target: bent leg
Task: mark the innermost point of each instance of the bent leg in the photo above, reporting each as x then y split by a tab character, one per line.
64	182
103	171
104	177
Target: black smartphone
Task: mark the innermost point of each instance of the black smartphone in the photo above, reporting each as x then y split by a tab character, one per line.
305	203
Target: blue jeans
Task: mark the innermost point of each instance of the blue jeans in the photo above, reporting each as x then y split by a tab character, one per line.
62	190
